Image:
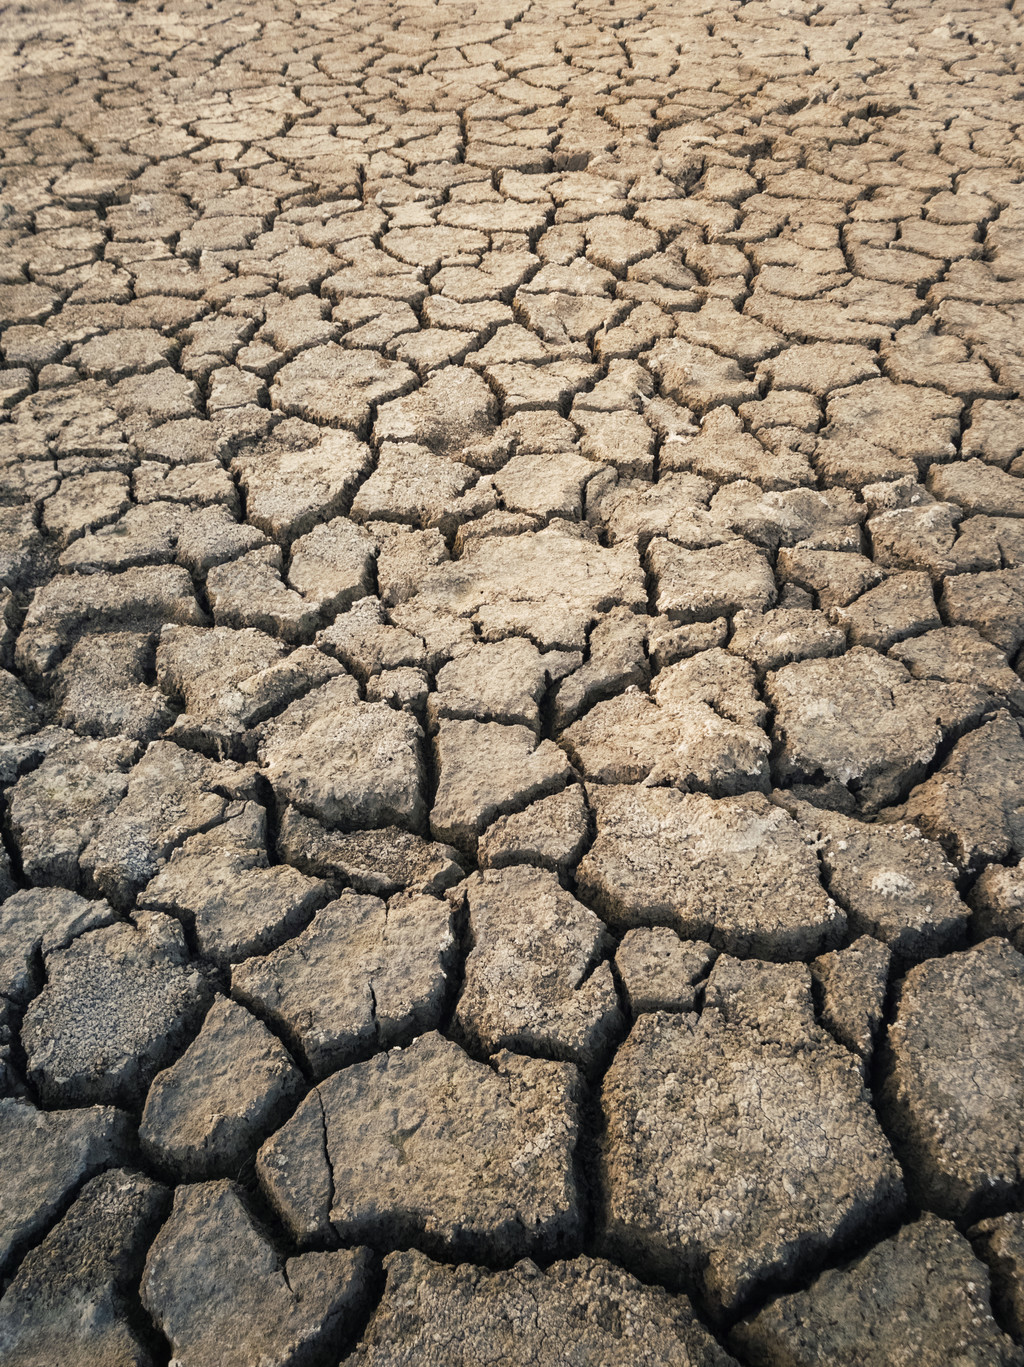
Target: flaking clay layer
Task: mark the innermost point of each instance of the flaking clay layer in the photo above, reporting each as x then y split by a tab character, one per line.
511	683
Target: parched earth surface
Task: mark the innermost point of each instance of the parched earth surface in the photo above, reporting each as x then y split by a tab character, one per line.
512	561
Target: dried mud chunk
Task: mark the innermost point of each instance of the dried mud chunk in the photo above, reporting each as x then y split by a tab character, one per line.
842	459
231	680
453	410
545	485
700	585
220	1291
862	722
894	884
20	544
228	232
102	691
834	577
902	605
379	862
411	484
953	1092
718	324
513	343
249	592
820	367
702	732
687	1100
913	538
551	834
535	978
614	243
429	247
405	688
140	599
524	387
421	1142
72	1298
346	762
504	682
363	976
58	808
35	922
288	492
714	677
627	388
159	396
992	603
365	642
668	642
780	636
676	507
622	440
184	442
736	872
210	536
852	984
296	325
338	387
960	655
617	661
172	793
118	1001
979	488
84	503
548	586
233	1085
26	303
434	1315
152	533
1001	1244
974	804
20	713
220	884
723	451
486	770
788	408
201	486
886	1310
332	565
128	351
998	901
659	971
700	378
987	542
46	1155
405	559
922	424
996	433
568	321
827	521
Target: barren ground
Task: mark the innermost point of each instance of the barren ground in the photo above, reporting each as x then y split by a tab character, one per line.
512	562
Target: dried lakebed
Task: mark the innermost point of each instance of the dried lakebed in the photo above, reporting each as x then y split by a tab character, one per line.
511	613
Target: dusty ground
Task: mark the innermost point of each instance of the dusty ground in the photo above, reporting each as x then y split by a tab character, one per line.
512	538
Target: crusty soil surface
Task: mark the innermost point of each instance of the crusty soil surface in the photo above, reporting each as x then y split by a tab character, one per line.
511	751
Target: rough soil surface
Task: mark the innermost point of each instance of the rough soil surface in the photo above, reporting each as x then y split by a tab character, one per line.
511	683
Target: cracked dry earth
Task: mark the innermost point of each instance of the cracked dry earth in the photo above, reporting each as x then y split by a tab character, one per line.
512	535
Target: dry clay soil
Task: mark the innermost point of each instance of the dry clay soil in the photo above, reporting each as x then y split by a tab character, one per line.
511	752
